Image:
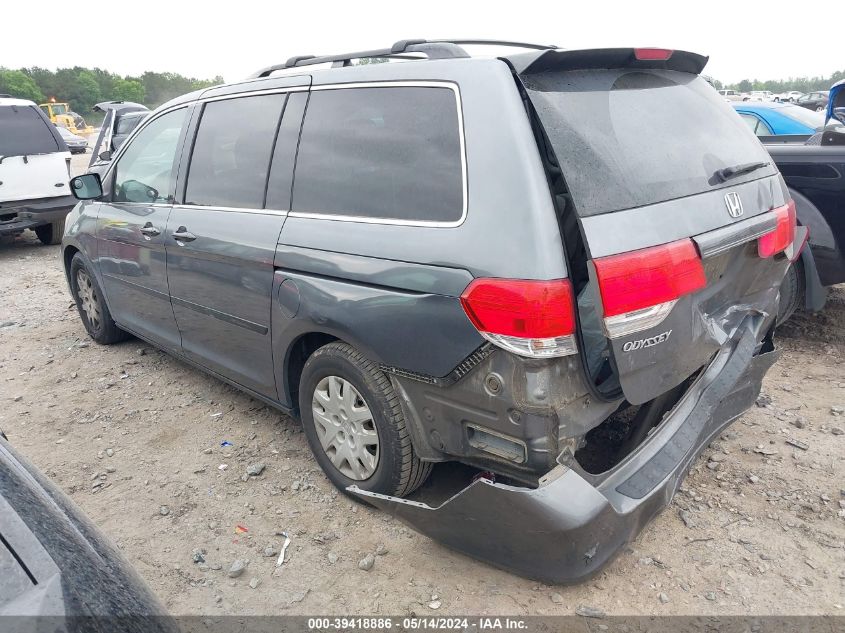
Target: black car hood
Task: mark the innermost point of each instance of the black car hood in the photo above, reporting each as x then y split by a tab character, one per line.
54	562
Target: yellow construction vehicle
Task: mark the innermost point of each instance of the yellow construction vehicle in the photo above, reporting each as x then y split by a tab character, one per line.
60	114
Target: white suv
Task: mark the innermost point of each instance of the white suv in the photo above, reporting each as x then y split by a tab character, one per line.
34	172
762	95
731	95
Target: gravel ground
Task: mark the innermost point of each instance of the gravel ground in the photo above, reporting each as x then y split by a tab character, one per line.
136	438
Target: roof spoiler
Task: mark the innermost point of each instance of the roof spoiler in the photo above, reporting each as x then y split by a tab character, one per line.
562	60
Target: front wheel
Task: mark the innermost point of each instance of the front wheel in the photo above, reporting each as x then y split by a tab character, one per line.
91	305
51	234
820	109
354	423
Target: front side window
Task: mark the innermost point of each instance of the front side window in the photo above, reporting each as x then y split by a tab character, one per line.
750	121
144	172
762	128
383	152
231	156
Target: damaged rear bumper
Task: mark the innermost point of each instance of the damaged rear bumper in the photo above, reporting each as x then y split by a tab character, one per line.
574	523
29	214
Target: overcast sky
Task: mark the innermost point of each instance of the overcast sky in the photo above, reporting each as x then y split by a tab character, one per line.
234	38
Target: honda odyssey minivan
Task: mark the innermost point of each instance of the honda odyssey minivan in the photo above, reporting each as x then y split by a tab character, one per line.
530	264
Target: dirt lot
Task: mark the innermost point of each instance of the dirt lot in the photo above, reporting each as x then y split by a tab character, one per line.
135	436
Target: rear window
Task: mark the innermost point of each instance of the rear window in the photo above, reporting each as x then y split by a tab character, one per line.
628	138
23	131
129	122
385	153
803	115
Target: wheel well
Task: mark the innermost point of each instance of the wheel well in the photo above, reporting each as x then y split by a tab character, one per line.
300	351
67	256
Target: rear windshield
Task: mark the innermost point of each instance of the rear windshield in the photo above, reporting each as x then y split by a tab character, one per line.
23	131
631	137
129	122
803	115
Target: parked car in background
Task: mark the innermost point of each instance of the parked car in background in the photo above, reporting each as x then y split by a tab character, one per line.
814	174
34	172
362	264
814	100
761	95
731	95
789	97
774	119
76	144
121	118
56	563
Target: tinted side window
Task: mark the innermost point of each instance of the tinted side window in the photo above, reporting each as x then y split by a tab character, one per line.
23	131
284	155
231	154
144	172
391	152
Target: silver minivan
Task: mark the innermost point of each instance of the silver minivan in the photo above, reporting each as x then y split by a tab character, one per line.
532	265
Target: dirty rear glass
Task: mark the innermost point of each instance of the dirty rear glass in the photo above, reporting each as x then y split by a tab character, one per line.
24	132
627	138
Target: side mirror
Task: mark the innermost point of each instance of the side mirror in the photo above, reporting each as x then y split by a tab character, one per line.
86	187
104	155
839	114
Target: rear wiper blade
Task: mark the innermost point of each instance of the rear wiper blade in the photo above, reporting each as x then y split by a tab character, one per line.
738	170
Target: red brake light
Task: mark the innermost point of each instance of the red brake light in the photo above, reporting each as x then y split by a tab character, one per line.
783	234
648	277
653	54
521	308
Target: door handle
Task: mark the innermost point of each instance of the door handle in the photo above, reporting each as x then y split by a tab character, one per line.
149	230
183	235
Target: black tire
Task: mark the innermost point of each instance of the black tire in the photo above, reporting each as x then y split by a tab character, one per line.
102	329
791	292
398	471
51	234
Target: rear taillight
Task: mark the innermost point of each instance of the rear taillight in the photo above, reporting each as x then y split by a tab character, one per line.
639	288
783	234
526	317
653	54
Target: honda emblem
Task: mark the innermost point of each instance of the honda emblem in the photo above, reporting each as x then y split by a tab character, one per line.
734	204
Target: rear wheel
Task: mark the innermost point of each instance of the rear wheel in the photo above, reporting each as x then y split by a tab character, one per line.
355	425
820	109
791	292
92	307
51	234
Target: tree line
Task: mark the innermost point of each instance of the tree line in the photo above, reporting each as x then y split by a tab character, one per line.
801	84
84	87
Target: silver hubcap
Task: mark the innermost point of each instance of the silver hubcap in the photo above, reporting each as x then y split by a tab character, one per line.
345	428
88	299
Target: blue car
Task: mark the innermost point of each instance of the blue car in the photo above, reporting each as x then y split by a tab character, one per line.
775	119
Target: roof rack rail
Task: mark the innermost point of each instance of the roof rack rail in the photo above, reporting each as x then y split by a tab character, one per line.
432	49
539	47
